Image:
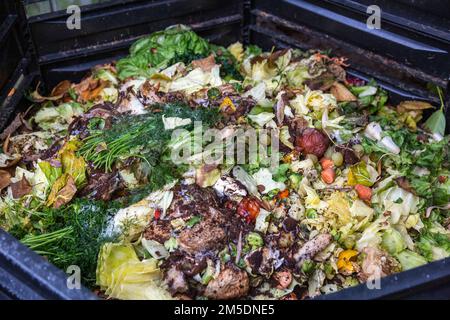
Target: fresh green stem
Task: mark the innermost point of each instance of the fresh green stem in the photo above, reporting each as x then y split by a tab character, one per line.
441	98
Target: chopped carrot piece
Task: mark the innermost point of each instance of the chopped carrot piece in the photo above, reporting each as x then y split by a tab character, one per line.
157	214
328	175
326	163
364	193
283	194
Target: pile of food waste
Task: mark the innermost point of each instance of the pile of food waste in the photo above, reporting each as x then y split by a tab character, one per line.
189	170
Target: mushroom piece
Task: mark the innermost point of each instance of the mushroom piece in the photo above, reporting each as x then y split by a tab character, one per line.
204	236
311	248
231	283
175	280
261	262
341	93
158	231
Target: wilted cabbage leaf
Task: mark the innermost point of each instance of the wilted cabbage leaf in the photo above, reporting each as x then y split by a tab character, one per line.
392	241
261	119
371	237
58	118
264	178
237	50
247	180
52	172
122	275
410	259
399	202
297	75
75	167
338	205
360	209
131	221
258	92
285	137
193	81
175	122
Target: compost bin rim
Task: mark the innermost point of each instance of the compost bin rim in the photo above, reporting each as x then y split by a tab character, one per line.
25	283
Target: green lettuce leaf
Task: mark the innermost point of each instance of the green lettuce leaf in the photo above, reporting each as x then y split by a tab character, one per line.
160	50
410	259
436	122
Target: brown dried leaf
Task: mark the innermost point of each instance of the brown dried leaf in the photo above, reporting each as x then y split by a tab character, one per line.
341	93
149	94
92	94
337	71
21	188
61	88
89	88
10	161
13	126
37	97
85	85
257	59
6	144
66	194
18	121
5	179
102	186
271	61
403	183
205	64
323	82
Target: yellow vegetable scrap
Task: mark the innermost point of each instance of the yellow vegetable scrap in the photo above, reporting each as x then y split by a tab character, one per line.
227	105
345	263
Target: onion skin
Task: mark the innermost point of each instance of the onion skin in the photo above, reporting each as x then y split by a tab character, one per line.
312	141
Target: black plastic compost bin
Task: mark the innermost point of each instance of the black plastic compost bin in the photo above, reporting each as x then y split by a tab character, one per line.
410	51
